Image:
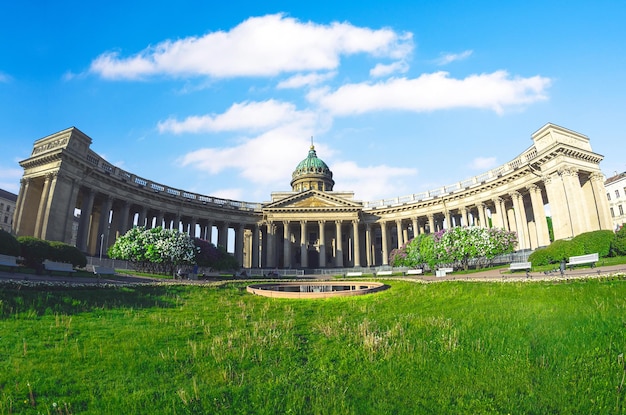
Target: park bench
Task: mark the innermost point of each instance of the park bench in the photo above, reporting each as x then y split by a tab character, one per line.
520	266
52	266
354	274
441	272
384	273
101	270
583	259
418	271
9	262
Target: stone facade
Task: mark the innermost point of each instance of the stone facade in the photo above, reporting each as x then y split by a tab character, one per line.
312	226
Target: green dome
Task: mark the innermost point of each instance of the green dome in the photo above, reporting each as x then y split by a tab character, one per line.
311	164
311	173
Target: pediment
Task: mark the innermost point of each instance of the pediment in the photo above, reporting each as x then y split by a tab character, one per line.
312	200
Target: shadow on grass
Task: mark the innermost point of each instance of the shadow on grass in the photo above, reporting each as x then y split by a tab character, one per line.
35	301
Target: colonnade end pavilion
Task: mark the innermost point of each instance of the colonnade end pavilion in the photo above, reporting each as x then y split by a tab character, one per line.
311	226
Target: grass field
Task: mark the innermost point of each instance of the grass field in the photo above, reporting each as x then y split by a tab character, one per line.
453	347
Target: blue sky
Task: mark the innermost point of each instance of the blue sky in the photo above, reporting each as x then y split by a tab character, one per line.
222	98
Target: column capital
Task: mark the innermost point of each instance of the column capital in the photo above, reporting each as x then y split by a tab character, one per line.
515	194
596	177
533	188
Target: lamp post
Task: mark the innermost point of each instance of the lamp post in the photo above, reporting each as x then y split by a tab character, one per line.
101	243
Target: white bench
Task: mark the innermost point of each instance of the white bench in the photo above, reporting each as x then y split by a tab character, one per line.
583	259
354	274
100	270
52	266
517	266
8	261
383	273
441	272
418	271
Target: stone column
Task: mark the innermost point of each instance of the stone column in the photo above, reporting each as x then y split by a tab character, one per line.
368	244
271	251
322	244
43	203
539	213
601	203
159	219
256	237
193	222
286	245
141	219
222	235
575	201
304	253
399	234
498	217
209	230
383	231
124	215
481	215
339	247
431	223
357	250
20	225
561	223
448	219
464	217
238	241
520	220
85	218
103	226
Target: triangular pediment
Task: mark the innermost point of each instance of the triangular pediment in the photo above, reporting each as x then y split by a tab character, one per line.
314	200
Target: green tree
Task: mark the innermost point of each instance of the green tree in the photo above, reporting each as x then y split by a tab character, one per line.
8	244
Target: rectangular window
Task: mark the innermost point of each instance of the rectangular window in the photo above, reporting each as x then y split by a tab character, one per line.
612	213
608	196
617	193
621	210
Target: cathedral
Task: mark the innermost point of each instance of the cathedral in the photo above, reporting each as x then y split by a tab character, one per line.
312	226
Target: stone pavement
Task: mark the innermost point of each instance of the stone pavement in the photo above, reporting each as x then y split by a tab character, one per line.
486	275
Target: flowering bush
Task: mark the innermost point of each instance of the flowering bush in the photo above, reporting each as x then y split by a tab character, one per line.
154	250
459	245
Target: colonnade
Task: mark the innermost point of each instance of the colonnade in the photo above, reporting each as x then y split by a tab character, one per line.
558	177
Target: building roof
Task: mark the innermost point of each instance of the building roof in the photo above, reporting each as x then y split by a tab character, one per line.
8	195
615	178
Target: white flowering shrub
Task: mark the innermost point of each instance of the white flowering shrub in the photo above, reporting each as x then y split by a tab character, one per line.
154	250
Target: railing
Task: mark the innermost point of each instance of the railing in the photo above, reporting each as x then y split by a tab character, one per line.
493	174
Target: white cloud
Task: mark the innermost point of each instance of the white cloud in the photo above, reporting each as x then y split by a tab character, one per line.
4	78
265	160
483	163
240	117
452	57
299	81
434	91
10	179
381	70
232	194
260	46
371	182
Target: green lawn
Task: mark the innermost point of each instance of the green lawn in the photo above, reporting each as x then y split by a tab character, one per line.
452	347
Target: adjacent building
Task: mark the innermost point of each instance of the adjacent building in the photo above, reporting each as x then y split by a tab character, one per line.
616	196
7	209
312	225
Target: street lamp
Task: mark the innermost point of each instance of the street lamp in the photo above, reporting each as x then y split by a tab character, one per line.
101	243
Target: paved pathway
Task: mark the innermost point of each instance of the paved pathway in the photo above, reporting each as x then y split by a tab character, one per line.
487	275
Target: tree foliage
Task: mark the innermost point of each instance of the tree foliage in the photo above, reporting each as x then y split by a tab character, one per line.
457	245
8	244
618	245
